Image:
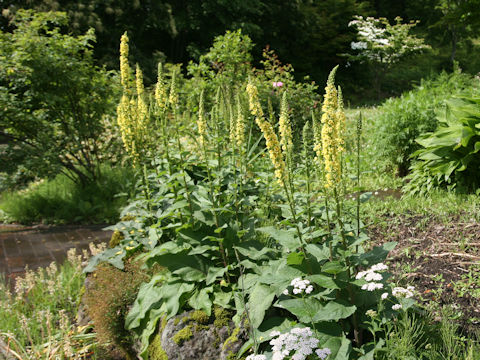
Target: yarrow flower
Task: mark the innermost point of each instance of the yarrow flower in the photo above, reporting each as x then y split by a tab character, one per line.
323	353
300	286
384	295
372	286
397	307
277	84
256	357
371	275
300	341
402	292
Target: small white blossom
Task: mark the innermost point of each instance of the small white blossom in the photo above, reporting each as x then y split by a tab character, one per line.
384	295
360	45
300	286
285	292
403	292
300	341
397	307
373	276
372	286
379	267
256	357
323	353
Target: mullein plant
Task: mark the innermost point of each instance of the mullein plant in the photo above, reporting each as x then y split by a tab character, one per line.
274	147
132	111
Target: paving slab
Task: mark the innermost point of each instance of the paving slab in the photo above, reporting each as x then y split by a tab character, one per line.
37	246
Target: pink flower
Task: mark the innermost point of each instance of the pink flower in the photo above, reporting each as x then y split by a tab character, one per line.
277	84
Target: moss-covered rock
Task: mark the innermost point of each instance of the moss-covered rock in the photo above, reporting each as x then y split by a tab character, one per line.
196	336
155	350
182	335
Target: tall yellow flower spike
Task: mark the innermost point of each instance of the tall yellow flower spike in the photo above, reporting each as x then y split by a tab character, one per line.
161	99
341	122
142	108
124	67
273	145
330	138
240	125
285	128
173	96
201	123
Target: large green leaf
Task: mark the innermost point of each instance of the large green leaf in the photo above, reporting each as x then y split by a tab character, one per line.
376	255
320	252
254	250
260	300
149	294
340	347
200	300
215	273
285	238
309	309
325	281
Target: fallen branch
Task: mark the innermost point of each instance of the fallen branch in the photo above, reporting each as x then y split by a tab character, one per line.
454	254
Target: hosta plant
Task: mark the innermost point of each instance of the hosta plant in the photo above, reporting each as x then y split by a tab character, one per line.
450	154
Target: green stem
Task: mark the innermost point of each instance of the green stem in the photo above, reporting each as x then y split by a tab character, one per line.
247	311
187	193
356	330
212	199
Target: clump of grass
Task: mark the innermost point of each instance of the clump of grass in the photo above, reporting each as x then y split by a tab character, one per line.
419	337
37	319
60	200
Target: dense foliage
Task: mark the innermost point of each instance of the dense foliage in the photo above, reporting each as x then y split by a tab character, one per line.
449	155
53	99
232	233
170	31
402	120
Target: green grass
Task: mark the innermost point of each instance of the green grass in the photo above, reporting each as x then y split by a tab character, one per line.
441	204
61	200
37	320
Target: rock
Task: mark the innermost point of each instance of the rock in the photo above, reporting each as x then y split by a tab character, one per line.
195	336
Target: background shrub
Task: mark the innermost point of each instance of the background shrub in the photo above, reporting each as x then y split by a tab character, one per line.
402	120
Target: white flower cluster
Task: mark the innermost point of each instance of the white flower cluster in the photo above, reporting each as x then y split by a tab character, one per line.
397	307
300	286
371	275
359	45
403	292
299	340
256	357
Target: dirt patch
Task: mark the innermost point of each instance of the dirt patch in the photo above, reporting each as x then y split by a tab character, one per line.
442	260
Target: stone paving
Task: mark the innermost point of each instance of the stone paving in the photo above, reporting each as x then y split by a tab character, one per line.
38	246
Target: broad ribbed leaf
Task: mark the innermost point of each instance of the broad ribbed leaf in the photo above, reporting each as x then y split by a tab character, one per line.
285	238
260	300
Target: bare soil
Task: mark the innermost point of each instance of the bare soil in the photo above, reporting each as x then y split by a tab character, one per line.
436	257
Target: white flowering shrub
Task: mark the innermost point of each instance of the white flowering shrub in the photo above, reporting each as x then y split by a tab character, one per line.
381	42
